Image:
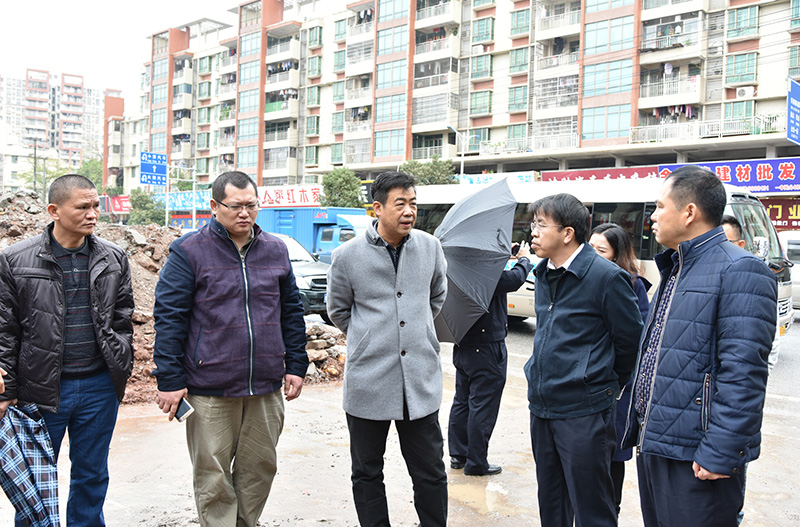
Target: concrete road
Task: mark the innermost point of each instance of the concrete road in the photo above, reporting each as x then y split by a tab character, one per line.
151	478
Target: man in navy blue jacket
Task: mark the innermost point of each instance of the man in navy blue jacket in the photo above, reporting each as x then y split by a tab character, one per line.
588	326
700	383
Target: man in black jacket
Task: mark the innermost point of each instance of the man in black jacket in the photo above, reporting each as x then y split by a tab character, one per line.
66	338
481	361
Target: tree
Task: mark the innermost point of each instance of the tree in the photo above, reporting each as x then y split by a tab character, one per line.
341	188
46	172
93	169
435	172
145	210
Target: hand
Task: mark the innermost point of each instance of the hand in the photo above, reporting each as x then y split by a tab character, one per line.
701	473
292	385
524	250
169	401
4	406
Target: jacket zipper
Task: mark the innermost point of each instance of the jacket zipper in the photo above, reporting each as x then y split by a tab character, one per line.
549	323
658	355
704	411
251	362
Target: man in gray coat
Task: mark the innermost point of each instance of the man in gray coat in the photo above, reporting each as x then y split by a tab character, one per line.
384	289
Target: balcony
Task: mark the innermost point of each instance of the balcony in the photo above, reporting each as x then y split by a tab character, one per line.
284	51
671	48
554	142
442	79
182	101
227	117
183	75
357	158
694	130
227	92
439	48
442	15
446	151
359	60
356	127
283	80
555	61
277	139
181	151
685	90
360	32
558	21
281	110
279	168
546	102
228	65
505	146
182	126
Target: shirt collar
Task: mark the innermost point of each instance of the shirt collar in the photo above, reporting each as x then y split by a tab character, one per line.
566	264
58	250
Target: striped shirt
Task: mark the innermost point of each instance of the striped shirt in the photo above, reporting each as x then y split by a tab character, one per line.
81	356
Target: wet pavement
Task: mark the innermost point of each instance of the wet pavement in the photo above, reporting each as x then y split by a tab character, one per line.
151	477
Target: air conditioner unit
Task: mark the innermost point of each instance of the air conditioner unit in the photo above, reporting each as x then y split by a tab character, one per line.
745	91
477	49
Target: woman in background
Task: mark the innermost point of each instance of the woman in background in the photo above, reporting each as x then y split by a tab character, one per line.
613	243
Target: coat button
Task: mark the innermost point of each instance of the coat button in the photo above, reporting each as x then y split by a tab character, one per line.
403	353
199	363
483	331
741	453
609	391
477	350
399	294
735	470
698	401
402	324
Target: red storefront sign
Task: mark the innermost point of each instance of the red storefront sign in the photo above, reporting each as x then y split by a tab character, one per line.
601	173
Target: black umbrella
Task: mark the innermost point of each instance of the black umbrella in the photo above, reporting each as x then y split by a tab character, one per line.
476	240
28	466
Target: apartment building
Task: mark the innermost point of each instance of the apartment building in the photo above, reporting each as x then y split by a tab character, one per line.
295	88
55	112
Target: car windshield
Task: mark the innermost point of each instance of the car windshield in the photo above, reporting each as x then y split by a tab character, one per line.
297	253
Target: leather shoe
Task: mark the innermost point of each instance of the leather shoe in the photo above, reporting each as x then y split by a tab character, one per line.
491	471
457	463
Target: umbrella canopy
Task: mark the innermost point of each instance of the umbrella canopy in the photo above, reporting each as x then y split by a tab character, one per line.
476	240
28	466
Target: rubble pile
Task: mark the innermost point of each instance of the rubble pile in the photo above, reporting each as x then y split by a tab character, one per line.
23	215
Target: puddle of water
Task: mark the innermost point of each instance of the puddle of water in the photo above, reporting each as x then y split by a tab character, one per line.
484	497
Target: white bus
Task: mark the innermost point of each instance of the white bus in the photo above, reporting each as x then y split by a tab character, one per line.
628	203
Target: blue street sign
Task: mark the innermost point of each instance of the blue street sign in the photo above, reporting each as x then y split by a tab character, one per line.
793	112
153	169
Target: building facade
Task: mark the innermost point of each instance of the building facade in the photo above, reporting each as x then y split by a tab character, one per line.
295	88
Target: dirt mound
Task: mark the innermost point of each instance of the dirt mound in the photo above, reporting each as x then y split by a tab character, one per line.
22	215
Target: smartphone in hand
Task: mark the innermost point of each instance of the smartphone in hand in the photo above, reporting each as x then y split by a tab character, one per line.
184	410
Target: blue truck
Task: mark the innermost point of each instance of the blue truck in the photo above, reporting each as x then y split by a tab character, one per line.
320	230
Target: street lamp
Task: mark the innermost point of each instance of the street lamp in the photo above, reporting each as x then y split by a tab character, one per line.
463	137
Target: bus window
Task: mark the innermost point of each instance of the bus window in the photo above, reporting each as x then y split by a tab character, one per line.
755	222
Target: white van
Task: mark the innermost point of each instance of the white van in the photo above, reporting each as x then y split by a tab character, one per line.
628	203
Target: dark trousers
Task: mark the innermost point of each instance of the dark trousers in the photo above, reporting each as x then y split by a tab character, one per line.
480	377
672	496
573	469
88	412
422	446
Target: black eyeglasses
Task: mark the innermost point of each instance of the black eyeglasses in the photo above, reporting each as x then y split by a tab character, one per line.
251	207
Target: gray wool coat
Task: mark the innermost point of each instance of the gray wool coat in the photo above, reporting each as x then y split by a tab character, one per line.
392	348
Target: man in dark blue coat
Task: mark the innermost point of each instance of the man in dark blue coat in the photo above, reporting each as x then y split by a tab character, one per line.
588	326
481	361
700	384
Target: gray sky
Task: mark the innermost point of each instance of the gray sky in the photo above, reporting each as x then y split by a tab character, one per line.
103	40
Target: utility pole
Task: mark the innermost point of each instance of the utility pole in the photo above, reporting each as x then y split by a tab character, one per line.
35	142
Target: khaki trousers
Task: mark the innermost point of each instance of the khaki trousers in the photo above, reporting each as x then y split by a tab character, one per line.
232	444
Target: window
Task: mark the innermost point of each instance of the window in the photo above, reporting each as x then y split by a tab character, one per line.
248	128
520	22
390	143
608	77
340	30
246	156
794	61
159	118
159	93
481	67
160	69
482	30
606	121
276	131
392	9
609	35
204	115
248	101
795	14
338	91
392	74
478	3
204	65
204	90
518	60
518	131
250	44
312	125
312	96
248	72
337	153
741	68
480	102
337	125
339	60
739	110
158	142
476	137
393	40
202	165
518	99
743	22
593	6
203	140
392	108
314	66
315	36
312	155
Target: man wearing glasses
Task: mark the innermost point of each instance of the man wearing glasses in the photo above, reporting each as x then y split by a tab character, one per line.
229	332
588	326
